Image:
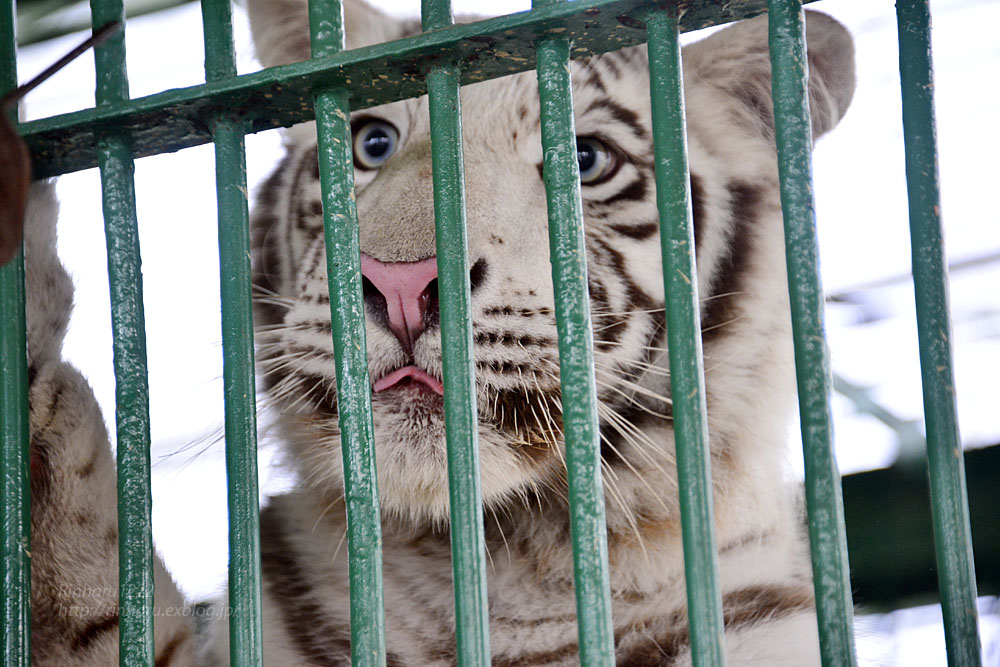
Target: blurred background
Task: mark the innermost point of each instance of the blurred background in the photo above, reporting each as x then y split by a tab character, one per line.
863	226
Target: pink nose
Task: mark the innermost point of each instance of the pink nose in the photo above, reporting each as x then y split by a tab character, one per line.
406	287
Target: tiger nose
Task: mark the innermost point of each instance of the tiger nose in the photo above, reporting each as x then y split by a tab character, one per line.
402	295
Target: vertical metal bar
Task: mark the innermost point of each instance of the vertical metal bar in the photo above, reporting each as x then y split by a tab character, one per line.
468	551
237	345
15	524
561	174
135	542
793	132
687	378
343	257
946	467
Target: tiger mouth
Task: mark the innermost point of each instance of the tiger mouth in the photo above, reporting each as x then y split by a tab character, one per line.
409	376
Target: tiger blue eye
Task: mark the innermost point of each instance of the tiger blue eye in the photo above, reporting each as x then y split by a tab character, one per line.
596	160
374	143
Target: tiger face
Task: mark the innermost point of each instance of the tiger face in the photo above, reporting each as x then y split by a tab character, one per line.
739	251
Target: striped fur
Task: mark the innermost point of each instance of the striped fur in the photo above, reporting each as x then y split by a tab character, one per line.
765	575
74	525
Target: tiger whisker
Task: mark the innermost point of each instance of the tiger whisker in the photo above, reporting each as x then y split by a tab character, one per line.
638	389
722	324
637	438
614	493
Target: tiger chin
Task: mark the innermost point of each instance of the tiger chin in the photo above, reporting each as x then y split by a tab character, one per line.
765	575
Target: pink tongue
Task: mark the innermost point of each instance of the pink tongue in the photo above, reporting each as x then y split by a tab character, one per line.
412	372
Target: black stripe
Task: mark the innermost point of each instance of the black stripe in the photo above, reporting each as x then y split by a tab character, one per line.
263	248
87	468
536	658
510	339
515	411
506	366
609	62
615	447
316	637
741	608
697	208
523	312
594	78
750	606
755	93
634	191
599	303
661	651
721	306
267	193
321	391
317	259
307	160
168	652
93	631
622	115
613	326
640	232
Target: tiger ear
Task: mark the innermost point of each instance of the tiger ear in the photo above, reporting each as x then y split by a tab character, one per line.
280	28
736	61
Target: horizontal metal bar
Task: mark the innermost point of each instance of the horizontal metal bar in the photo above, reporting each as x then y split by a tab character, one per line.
377	74
687	377
949	506
793	134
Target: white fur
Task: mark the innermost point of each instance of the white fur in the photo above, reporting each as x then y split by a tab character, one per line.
764	569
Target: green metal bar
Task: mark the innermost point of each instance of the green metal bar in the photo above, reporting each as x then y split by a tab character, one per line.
245	642
282	96
343	257
468	549
793	134
135	542
949	505
687	377
561	174
15	523
435	14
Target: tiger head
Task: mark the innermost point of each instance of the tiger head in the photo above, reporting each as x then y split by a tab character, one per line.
740	259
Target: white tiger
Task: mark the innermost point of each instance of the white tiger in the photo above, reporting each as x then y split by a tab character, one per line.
765	575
